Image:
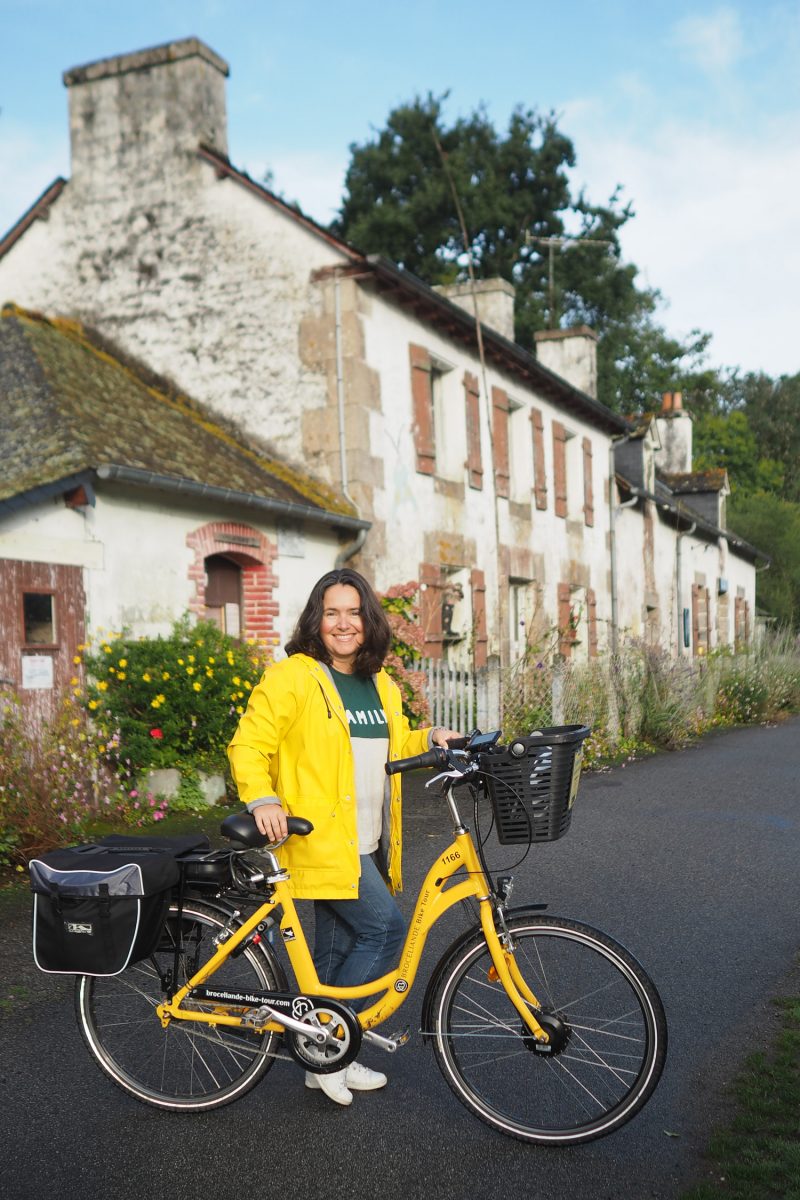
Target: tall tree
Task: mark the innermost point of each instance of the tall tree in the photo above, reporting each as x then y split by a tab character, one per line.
515	194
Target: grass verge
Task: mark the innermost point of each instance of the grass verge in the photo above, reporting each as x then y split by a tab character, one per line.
757	1156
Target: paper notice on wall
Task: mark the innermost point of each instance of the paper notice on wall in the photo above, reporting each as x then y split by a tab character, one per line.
37	671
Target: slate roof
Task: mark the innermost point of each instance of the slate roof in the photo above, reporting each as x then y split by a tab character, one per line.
69	404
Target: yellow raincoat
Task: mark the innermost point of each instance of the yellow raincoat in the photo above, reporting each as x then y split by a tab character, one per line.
293	742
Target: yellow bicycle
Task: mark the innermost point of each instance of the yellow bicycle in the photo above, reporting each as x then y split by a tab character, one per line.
545	1028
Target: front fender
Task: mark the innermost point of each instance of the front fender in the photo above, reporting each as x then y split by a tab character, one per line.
474	933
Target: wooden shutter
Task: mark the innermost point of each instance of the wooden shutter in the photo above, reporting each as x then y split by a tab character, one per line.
422	400
474	459
430	608
591	605
539	476
478	586
695	618
500	412
564	631
588	487
560	468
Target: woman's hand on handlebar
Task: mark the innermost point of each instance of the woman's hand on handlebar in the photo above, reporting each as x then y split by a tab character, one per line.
441	737
271	821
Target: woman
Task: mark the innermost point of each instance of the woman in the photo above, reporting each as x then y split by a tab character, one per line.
313	742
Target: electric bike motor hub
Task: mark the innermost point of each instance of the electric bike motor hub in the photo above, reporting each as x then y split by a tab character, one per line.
557	1030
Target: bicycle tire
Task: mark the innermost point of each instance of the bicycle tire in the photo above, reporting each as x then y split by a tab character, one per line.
188	1066
606	1010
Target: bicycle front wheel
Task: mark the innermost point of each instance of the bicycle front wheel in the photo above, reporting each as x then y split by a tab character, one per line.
607	1026
189	1066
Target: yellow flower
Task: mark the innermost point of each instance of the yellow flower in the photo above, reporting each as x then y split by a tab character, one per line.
165	674
77	659
74	721
209	673
191	658
74	680
240	695
120	674
123	662
180	662
236	680
106	649
111	671
76	692
190	670
212	659
197	685
230	659
248	684
92	704
239	709
102	686
146	677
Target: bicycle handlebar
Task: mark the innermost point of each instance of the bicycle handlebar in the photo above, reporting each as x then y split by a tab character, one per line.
435	757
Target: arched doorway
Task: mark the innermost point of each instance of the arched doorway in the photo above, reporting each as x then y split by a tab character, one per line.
223	594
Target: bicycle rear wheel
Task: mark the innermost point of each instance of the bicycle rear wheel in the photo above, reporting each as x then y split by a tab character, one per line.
609	1033
188	1066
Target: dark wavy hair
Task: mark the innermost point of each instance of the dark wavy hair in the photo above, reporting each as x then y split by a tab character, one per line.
377	634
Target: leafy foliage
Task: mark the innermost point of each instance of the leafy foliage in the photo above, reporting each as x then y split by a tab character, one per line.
55	780
773	525
514	190
400	606
174	701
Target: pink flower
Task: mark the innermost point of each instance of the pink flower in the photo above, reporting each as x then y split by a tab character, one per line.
157	734
158	816
133	794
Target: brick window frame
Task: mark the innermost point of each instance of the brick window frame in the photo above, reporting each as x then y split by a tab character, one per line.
255	554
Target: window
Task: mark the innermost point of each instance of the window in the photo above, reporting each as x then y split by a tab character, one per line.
519	452
38	614
449	432
223	597
522	603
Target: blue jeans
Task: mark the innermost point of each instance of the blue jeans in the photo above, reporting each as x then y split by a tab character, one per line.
358	940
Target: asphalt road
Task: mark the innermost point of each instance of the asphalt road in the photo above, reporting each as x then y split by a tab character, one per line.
690	859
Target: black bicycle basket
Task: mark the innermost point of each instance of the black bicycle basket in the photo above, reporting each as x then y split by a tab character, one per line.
532	783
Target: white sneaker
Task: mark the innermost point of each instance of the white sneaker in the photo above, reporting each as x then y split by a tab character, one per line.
333	1085
362	1079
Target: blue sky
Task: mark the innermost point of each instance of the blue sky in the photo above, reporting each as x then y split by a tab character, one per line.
693	107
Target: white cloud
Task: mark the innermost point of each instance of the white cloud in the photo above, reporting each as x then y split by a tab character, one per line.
715	231
714	42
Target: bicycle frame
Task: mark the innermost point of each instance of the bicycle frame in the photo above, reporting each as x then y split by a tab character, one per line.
433	901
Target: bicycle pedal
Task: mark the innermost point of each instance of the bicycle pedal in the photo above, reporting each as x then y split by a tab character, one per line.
389	1044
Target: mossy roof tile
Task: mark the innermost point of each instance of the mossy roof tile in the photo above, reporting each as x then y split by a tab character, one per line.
67	405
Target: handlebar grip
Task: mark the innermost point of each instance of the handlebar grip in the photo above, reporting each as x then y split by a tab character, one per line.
435	757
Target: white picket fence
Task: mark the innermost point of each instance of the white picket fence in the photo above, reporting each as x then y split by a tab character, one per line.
466	699
462	698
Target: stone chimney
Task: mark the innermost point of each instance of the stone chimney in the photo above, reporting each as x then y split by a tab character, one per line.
142	115
572	354
674	426
495	302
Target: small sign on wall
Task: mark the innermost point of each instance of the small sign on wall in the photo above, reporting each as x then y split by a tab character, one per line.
37	671
291	542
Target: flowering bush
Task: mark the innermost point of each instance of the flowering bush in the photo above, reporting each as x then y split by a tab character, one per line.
55	780
172	701
400	606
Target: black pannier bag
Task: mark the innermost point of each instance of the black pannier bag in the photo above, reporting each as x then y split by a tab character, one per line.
100	907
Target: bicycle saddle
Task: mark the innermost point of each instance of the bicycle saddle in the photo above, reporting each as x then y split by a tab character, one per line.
241	829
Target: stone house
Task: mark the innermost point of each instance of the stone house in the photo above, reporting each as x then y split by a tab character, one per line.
124	504
528	510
